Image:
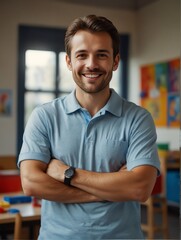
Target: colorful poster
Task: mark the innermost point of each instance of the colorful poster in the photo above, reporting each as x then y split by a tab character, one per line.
160	92
158	109
174	75
5	102
173	110
161	76
147	79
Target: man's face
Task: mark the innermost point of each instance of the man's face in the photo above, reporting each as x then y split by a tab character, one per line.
91	61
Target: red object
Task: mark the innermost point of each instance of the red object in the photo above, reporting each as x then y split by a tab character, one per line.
10	181
158	186
36	202
2	210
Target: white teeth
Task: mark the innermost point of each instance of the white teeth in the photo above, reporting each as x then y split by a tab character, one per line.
91	75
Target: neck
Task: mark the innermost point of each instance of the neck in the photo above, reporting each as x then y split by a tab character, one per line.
93	102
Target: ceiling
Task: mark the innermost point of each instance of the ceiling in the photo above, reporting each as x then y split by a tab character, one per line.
117	4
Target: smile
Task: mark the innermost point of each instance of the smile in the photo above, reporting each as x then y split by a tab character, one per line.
91	75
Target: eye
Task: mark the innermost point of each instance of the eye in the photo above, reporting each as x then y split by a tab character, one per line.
81	56
102	55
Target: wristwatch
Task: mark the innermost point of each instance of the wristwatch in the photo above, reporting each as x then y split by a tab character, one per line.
68	175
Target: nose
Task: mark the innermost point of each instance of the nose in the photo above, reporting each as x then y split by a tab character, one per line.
92	63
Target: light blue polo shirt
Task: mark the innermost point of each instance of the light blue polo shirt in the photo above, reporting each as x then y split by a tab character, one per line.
121	132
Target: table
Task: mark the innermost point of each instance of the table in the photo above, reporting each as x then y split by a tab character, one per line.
30	214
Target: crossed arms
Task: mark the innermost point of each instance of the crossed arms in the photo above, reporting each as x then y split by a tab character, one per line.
46	182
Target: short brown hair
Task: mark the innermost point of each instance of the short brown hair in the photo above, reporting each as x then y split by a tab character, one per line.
92	23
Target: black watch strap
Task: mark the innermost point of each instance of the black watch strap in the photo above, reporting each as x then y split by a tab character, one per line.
67	181
69	173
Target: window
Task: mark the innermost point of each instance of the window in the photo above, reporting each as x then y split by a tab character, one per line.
42	71
39	79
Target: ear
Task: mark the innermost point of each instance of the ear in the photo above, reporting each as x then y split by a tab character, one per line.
116	62
68	61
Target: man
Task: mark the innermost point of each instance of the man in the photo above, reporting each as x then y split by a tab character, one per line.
75	148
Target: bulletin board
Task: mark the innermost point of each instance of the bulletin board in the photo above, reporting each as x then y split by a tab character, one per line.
5	102
160	92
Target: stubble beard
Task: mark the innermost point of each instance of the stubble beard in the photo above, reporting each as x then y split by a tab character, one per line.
99	88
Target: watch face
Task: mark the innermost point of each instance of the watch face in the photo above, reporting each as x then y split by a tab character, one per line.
69	172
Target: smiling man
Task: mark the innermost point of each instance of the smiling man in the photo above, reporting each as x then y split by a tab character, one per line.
90	156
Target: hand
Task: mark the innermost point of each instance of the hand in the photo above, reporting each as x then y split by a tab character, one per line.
56	169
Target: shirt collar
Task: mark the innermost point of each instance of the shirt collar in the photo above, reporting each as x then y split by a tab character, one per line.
114	104
71	103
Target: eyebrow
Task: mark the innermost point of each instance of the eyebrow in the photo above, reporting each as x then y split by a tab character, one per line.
99	51
104	51
80	51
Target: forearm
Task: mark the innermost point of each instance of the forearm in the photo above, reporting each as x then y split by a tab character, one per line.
36	182
124	185
109	186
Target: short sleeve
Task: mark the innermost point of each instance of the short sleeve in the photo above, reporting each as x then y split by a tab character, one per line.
142	148
36	143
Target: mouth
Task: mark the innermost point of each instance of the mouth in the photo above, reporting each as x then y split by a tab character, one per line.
91	75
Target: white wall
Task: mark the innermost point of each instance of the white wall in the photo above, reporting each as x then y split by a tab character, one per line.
151	31
158	28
